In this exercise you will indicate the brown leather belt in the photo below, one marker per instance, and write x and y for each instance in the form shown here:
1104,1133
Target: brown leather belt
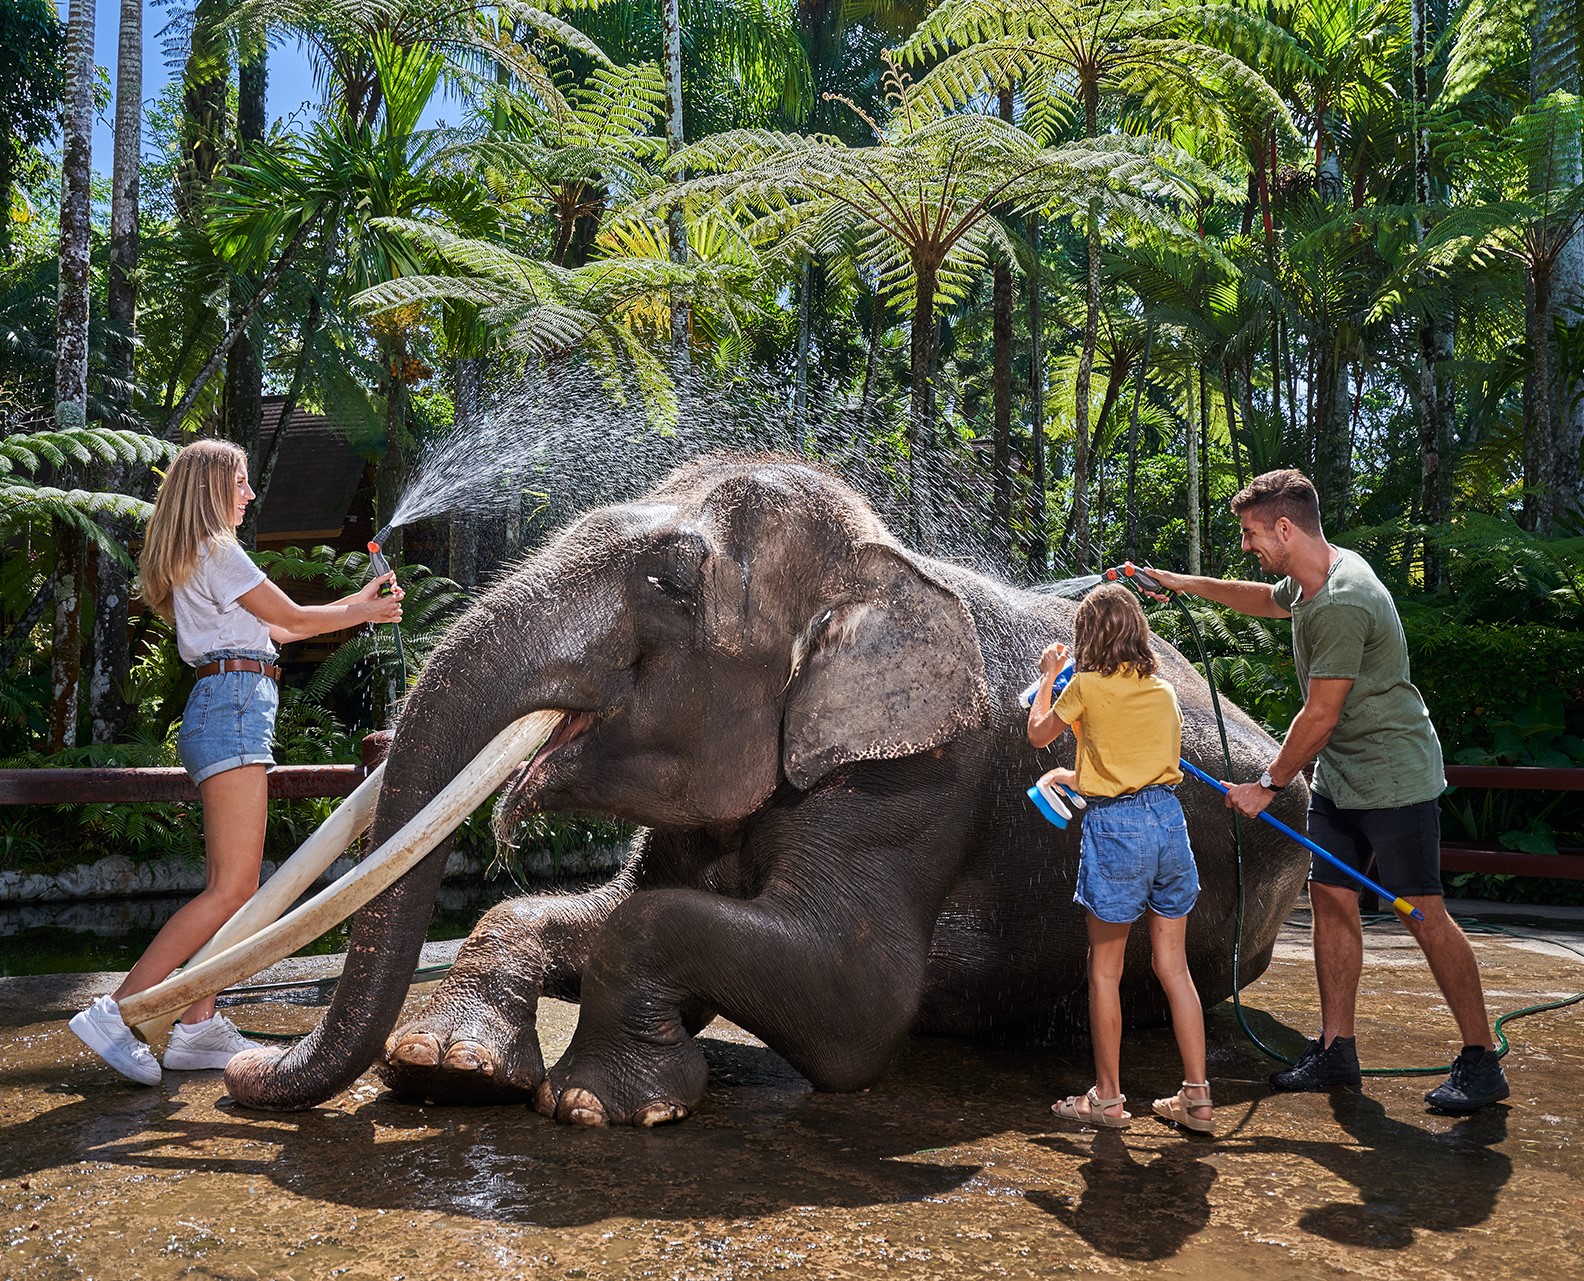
239,665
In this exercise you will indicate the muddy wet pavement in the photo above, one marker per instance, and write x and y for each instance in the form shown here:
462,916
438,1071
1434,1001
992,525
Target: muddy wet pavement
951,1167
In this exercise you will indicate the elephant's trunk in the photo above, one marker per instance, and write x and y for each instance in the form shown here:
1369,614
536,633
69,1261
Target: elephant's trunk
457,708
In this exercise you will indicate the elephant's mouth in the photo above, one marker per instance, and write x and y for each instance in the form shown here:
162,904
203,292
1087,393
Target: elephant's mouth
523,786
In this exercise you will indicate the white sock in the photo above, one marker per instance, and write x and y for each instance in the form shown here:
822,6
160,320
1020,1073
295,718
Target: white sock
198,1027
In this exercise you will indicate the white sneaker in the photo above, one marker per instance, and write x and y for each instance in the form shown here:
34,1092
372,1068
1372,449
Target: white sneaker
100,1028
209,1044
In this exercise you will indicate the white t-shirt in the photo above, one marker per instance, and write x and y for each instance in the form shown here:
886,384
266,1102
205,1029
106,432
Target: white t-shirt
207,614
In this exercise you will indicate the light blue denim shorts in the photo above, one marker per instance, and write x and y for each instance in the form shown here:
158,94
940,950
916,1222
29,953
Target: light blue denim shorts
229,720
1135,855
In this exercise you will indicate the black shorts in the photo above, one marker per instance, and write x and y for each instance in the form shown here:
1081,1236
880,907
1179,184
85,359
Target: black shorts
1405,843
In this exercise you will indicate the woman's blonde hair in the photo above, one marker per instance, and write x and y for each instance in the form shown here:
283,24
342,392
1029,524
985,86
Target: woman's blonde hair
1111,632
196,507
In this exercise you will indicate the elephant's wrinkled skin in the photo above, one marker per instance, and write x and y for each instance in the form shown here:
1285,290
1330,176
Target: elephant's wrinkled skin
821,732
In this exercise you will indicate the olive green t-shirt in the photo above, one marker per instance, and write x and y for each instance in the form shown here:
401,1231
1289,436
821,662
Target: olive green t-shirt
1384,752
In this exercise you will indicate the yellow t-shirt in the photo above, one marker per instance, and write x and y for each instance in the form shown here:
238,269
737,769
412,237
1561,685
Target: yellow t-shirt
1131,731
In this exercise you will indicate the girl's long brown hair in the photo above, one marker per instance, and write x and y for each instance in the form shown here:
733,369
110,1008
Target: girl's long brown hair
1111,632
196,506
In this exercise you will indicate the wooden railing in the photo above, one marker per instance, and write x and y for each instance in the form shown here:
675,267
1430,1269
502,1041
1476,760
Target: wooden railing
1458,856
127,785
294,782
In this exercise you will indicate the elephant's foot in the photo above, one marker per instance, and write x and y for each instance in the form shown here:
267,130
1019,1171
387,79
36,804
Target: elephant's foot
462,1061
588,1090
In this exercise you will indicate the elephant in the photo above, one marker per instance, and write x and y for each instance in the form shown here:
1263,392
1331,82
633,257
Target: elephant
819,733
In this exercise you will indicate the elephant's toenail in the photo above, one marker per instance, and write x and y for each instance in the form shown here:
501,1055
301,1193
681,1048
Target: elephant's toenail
469,1056
416,1051
545,1099
659,1114
580,1107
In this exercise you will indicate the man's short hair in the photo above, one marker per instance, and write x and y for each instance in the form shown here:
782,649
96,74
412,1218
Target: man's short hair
1275,494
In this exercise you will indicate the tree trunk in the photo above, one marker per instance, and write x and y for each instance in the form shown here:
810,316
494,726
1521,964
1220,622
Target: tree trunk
244,386
121,287
800,374
871,362
676,226
206,82
1435,390
390,472
1001,437
71,360
1001,383
1333,436
111,663
1540,404
1039,538
71,323
1132,445
1204,465
1091,339
1552,438
1238,473
66,640
463,558
921,354
1191,453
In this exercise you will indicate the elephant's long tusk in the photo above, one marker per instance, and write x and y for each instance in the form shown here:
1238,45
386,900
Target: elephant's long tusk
332,905
348,822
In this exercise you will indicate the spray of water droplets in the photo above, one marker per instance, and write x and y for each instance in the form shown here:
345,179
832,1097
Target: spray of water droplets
557,444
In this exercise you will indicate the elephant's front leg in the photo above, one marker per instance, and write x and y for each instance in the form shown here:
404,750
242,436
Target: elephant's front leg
833,996
476,1039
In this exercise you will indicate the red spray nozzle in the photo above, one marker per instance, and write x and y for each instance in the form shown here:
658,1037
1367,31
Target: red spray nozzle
373,548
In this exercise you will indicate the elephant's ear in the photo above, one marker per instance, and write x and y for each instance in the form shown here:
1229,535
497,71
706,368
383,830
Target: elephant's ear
889,668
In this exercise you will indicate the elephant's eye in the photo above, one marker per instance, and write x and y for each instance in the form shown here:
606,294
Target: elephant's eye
669,587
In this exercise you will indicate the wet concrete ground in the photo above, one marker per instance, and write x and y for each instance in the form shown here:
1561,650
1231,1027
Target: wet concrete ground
952,1166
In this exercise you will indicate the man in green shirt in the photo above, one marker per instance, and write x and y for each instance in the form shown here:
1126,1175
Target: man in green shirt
1376,780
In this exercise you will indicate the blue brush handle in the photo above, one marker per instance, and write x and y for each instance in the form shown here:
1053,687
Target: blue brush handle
1063,679
1401,904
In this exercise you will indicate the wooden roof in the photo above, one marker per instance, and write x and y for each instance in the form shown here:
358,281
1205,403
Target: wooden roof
316,475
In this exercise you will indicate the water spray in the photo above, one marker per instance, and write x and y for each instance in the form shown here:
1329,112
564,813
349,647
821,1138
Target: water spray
380,567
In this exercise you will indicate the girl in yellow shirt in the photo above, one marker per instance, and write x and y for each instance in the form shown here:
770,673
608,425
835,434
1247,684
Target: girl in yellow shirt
1135,859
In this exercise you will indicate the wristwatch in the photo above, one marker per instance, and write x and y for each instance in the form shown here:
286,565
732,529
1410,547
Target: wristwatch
1267,783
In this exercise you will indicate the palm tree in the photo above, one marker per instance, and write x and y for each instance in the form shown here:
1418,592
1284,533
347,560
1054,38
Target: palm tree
920,205
1066,56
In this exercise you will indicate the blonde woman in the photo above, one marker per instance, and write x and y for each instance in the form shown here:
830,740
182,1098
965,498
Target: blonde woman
229,619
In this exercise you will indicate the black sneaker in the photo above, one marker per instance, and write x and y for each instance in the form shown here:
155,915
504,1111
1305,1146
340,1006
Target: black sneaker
1477,1079
1322,1067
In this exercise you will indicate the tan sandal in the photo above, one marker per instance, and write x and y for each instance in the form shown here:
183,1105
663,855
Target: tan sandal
1178,1108
1096,1114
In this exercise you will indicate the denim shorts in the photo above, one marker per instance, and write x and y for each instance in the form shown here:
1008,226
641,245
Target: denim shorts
1135,855
229,720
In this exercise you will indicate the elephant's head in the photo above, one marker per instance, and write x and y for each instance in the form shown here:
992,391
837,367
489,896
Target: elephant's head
746,624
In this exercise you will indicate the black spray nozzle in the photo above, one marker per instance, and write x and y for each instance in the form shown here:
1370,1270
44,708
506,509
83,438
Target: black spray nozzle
1140,578
380,539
